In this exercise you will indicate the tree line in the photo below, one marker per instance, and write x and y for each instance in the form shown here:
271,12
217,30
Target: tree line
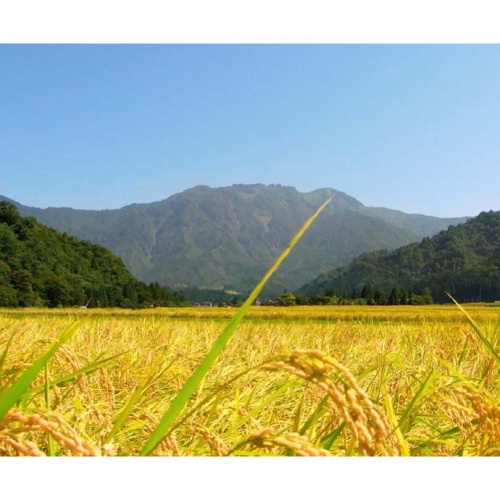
40,267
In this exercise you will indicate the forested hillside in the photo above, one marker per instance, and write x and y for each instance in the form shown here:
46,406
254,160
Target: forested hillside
41,267
226,238
463,261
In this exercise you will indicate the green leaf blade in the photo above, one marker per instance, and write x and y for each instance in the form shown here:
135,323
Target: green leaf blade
192,383
11,395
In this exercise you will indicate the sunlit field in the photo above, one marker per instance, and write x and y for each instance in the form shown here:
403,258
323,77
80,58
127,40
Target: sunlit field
292,381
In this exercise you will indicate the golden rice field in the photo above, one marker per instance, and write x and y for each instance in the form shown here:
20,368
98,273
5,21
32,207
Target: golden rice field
303,381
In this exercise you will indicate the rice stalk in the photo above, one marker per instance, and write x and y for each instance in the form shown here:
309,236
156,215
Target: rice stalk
218,346
367,423
476,414
294,442
11,395
16,424
480,334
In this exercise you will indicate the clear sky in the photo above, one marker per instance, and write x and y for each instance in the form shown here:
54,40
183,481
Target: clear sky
409,127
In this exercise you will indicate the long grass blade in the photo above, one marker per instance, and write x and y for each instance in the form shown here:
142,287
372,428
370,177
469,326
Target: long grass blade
299,412
122,417
138,393
409,415
328,441
50,439
11,395
463,352
391,416
86,370
220,343
4,354
267,401
486,343
311,421
495,335
216,394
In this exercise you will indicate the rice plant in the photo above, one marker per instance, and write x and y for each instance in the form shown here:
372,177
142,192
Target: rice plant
306,381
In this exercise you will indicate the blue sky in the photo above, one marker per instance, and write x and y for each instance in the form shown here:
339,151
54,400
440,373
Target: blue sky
409,127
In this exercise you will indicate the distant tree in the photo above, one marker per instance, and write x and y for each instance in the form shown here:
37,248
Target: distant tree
324,300
302,300
287,299
8,297
427,296
396,296
424,298
380,297
57,292
9,214
366,293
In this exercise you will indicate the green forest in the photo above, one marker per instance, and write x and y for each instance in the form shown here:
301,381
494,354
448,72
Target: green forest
463,261
43,268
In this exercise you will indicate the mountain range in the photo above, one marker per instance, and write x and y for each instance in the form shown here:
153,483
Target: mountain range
226,238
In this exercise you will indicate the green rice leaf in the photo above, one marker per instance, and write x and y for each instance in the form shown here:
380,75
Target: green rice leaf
409,415
4,354
486,343
391,416
86,370
267,401
118,424
218,346
19,389
299,413
311,421
328,441
50,439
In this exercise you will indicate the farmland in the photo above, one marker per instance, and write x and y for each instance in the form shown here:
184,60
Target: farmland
340,381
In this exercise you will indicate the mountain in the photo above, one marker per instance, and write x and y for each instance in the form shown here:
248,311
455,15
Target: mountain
226,238
463,261
41,267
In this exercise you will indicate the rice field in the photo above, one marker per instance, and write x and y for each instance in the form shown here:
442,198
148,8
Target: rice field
306,381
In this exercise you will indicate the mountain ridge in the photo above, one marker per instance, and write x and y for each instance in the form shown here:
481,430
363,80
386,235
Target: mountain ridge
228,236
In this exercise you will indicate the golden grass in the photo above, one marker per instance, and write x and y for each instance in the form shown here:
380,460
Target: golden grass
309,381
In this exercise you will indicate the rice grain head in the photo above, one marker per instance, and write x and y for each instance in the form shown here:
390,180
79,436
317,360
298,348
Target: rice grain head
367,423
